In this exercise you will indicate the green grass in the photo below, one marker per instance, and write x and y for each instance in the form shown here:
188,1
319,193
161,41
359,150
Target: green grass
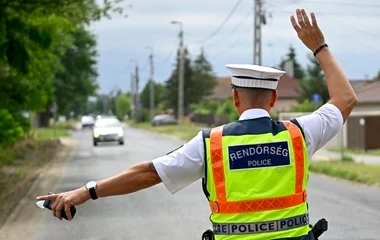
375,152
186,131
48,133
349,170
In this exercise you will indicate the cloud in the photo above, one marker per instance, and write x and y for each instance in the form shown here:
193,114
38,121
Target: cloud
350,30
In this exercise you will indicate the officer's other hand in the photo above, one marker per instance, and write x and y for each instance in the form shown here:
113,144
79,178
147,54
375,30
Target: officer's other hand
65,201
307,31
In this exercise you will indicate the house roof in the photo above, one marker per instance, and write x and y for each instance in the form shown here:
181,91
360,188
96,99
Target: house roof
369,93
358,83
286,87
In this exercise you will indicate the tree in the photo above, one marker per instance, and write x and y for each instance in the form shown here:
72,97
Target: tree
314,83
159,95
203,78
171,85
299,72
122,105
199,82
34,36
76,80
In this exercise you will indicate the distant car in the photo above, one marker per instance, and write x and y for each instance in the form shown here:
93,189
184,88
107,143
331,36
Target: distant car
164,119
108,129
87,121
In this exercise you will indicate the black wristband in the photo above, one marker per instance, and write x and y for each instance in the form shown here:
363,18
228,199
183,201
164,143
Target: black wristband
319,49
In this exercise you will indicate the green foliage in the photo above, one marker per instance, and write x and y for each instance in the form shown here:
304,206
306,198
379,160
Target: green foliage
226,108
205,107
314,82
122,105
299,72
305,106
75,81
159,94
47,54
10,129
199,81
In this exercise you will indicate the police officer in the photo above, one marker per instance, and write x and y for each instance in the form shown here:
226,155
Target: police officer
254,170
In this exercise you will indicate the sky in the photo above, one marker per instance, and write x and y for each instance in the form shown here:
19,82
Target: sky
351,29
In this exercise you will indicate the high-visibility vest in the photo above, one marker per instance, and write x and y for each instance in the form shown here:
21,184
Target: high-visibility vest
256,180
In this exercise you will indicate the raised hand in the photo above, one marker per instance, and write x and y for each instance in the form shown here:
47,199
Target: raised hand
308,33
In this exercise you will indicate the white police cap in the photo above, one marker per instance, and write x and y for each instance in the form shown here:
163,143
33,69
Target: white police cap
254,76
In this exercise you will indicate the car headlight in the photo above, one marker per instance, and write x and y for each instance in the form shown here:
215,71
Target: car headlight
96,133
120,133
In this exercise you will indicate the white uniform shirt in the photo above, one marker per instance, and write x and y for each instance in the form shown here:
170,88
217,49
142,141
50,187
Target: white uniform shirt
186,165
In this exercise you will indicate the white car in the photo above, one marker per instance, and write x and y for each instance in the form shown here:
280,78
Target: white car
108,129
87,121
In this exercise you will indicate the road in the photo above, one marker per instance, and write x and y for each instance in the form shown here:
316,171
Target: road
353,210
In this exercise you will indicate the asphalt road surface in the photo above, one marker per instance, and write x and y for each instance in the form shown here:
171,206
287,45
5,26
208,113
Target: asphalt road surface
353,211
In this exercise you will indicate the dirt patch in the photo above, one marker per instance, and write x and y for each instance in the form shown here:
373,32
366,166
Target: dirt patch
29,159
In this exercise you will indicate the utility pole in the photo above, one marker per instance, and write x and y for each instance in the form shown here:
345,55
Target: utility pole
181,74
151,84
132,94
137,97
258,20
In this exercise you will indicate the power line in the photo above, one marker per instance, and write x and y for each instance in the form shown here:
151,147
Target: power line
330,3
353,14
174,47
236,41
222,24
234,29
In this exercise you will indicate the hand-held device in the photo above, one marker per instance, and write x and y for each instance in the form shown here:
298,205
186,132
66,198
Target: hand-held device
47,204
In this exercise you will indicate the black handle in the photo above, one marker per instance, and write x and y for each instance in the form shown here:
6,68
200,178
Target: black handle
73,210
319,228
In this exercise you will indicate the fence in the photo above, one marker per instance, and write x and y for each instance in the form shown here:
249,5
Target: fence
209,119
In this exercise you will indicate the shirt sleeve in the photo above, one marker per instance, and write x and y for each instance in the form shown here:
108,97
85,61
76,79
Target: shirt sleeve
320,126
183,166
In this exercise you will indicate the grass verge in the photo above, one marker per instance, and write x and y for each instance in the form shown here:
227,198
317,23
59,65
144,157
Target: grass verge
186,131
43,134
349,170
375,152
20,164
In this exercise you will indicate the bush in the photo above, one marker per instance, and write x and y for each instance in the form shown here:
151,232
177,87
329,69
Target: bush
306,106
226,108
10,129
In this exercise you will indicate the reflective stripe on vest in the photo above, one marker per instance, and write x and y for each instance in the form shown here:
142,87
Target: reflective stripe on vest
222,206
261,227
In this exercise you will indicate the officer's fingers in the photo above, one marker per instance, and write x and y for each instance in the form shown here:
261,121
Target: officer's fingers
58,209
67,211
300,19
295,24
54,206
313,19
52,197
305,18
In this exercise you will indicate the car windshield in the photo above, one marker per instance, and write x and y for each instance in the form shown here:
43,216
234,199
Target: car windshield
108,122
87,119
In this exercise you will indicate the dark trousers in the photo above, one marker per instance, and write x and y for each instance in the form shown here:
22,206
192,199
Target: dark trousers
306,237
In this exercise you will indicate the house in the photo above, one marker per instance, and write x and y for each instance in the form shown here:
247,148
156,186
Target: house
368,93
286,91
368,97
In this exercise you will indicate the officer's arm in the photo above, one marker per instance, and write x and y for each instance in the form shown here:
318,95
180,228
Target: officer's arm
341,93
140,176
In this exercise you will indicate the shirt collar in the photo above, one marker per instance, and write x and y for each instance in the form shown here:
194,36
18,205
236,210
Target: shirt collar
254,113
